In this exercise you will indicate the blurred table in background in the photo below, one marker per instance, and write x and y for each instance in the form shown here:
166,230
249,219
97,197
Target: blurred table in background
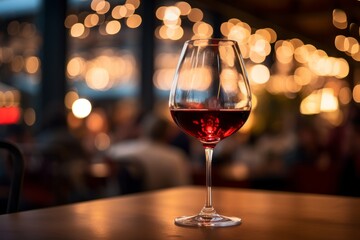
265,214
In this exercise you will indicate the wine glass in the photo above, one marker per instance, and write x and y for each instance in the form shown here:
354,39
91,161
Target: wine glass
210,99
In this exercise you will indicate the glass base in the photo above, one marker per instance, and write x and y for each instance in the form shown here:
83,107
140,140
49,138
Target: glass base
214,220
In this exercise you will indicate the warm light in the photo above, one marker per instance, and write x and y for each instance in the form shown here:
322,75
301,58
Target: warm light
302,54
284,53
130,9
311,104
29,116
302,76
174,33
101,7
75,66
356,93
229,80
356,56
195,15
91,20
354,45
134,21
259,45
340,42
339,19
240,33
77,30
172,13
17,64
259,74
291,86
272,34
102,141
329,102
184,7
202,30
335,118
121,12
264,33
70,98
9,98
95,122
113,27
197,79
70,20
81,108
341,68
160,12
225,28
163,78
115,13
73,121
248,126
345,95
97,78
32,64
100,170
135,3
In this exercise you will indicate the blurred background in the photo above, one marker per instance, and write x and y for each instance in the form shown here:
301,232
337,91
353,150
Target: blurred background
84,86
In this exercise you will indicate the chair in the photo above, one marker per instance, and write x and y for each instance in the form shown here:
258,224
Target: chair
17,175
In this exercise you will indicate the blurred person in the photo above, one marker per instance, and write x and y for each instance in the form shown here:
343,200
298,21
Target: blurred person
65,161
162,165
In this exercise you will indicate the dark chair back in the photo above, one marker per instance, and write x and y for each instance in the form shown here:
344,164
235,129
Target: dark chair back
17,175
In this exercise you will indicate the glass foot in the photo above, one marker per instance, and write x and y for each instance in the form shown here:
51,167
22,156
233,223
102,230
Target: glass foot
215,220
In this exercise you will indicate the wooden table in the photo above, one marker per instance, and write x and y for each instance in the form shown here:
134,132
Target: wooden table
266,215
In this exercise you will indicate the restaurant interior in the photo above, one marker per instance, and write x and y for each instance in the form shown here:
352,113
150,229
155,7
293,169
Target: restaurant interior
84,89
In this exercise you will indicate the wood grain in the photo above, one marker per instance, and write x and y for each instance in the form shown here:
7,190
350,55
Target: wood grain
265,215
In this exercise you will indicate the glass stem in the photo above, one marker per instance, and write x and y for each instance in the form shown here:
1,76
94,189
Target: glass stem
208,210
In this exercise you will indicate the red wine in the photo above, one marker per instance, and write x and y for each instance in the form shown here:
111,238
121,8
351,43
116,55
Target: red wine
210,126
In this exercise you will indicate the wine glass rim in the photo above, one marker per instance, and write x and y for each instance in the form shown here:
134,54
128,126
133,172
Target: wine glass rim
211,40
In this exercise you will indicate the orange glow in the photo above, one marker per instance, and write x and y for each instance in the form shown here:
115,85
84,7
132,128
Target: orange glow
184,7
17,64
135,3
73,121
259,74
202,30
77,30
91,20
95,122
339,19
70,98
102,141
160,12
32,64
340,42
75,66
70,20
29,116
97,78
195,15
356,93
134,21
99,170
113,27
345,95
130,9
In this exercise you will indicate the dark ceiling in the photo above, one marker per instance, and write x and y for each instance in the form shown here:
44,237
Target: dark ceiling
310,20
